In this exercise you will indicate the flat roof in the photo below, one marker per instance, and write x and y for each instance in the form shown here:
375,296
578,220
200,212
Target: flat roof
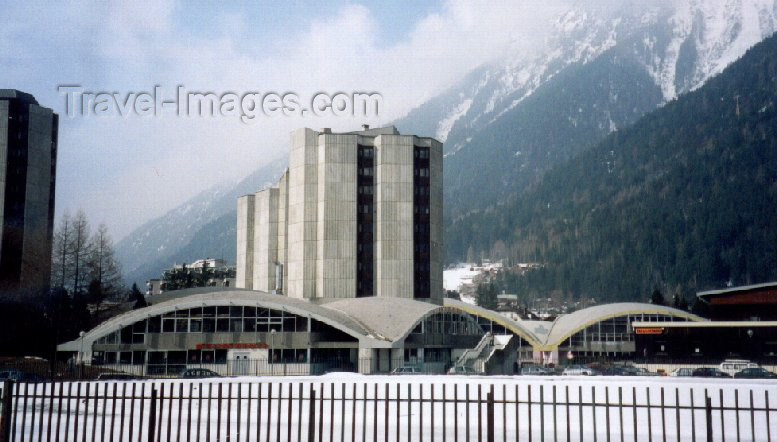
703,324
740,288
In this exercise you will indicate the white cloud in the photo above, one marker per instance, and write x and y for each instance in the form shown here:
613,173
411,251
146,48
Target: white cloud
125,171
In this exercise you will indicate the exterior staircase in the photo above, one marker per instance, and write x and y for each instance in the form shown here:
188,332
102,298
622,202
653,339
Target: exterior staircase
492,355
475,357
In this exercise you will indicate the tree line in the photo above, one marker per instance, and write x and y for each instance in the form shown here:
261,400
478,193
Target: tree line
84,273
83,263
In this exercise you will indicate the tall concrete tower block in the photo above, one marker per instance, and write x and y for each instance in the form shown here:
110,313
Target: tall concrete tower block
244,271
28,158
356,214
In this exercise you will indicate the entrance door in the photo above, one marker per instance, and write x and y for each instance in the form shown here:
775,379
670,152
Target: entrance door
240,364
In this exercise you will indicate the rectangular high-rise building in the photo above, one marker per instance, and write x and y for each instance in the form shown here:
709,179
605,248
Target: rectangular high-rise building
356,214
28,157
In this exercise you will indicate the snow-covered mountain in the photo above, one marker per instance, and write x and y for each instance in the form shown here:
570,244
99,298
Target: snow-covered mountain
506,123
203,226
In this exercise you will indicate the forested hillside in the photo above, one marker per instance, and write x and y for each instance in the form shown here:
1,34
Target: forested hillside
686,198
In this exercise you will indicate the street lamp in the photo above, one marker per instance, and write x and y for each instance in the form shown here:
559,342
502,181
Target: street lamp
272,345
81,353
81,335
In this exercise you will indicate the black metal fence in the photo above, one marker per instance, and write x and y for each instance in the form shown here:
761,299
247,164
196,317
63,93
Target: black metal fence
401,410
36,369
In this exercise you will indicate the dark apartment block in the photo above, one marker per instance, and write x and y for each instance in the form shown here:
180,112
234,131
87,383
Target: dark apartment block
28,154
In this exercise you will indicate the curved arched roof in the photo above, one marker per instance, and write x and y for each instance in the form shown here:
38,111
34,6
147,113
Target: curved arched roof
299,307
391,319
376,322
566,325
516,327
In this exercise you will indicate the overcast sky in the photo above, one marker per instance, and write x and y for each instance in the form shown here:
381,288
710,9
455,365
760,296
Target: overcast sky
125,171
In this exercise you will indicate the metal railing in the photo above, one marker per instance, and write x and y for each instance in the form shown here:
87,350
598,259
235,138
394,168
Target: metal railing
384,411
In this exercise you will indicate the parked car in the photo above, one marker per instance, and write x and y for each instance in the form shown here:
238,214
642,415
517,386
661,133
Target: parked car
462,370
116,377
19,376
682,372
641,371
406,370
734,366
755,373
198,373
617,371
706,372
579,370
536,370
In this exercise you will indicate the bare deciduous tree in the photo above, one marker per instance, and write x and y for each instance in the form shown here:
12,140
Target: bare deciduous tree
103,268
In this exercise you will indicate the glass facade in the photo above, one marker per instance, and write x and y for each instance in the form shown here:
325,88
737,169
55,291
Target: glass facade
613,330
221,319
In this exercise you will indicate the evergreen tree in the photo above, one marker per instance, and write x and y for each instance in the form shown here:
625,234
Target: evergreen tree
486,295
657,297
137,296
679,302
700,308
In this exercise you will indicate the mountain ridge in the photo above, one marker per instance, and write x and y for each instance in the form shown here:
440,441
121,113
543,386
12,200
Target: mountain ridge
485,118
682,199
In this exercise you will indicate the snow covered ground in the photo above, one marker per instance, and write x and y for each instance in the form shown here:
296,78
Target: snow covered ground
354,415
454,277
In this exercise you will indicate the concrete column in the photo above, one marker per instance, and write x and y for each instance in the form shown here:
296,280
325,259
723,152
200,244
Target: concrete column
265,239
367,360
302,210
394,216
283,216
245,243
397,357
336,233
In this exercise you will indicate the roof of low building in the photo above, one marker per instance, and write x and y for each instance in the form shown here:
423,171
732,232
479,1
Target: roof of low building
741,288
566,325
380,322
389,318
377,322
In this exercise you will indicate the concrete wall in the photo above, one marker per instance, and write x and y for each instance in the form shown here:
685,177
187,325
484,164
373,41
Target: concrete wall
394,216
303,213
265,239
283,216
336,226
244,271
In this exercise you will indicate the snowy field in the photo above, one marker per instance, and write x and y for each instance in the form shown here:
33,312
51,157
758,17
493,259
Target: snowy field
455,277
355,415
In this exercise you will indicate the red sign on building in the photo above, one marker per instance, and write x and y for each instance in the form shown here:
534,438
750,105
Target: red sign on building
649,331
